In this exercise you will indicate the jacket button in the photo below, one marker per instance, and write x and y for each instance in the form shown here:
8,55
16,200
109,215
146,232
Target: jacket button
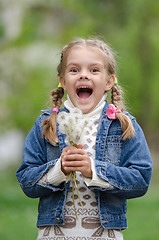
57,220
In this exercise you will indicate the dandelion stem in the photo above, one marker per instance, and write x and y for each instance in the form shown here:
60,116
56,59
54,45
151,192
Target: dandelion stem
69,177
73,197
75,182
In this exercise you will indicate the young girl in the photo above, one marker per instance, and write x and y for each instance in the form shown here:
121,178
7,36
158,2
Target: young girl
112,160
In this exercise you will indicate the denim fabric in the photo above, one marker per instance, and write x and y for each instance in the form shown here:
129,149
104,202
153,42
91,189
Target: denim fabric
126,165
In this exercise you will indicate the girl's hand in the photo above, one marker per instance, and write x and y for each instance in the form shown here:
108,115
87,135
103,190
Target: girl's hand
76,159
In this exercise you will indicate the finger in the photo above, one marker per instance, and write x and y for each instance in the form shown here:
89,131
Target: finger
86,172
76,151
78,162
72,164
80,146
68,148
75,157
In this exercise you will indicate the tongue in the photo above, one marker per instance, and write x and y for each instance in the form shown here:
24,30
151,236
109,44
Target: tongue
84,93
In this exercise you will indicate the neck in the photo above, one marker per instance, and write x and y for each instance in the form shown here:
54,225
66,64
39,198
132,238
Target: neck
96,111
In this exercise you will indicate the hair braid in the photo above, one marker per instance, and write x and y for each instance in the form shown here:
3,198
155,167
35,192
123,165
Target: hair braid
127,126
49,125
116,97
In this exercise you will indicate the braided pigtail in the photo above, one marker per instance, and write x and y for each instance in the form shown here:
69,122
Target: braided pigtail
127,126
49,125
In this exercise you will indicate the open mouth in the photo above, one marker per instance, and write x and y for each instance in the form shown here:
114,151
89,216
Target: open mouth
84,92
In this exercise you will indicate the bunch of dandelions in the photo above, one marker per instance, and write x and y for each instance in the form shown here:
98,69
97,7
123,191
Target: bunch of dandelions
72,124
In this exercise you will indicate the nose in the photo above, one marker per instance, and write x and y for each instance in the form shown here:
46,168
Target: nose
84,73
83,77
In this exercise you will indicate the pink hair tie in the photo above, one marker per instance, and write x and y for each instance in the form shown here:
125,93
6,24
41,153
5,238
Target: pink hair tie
55,110
111,112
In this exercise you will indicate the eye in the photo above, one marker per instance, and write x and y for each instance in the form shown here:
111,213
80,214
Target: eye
94,70
74,70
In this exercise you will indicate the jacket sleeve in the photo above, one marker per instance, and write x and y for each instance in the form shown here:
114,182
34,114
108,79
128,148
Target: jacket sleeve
35,164
132,178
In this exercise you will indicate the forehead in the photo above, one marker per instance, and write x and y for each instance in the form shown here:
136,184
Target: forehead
85,53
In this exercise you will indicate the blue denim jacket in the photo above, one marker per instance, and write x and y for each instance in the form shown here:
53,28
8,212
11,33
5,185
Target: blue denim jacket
126,165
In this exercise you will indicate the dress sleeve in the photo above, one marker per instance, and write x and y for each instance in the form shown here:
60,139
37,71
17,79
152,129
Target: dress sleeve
95,180
54,176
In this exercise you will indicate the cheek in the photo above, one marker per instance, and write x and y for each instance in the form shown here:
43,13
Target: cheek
70,81
103,86
69,87
107,86
66,82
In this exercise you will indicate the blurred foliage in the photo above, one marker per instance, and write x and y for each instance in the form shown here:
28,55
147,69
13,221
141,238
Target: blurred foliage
32,34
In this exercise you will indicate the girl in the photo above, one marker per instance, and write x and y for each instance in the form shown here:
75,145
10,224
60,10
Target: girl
112,161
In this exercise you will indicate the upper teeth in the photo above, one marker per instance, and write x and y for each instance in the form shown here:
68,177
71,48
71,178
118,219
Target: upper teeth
83,87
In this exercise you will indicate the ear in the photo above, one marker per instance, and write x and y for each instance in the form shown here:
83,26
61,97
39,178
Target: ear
110,82
62,81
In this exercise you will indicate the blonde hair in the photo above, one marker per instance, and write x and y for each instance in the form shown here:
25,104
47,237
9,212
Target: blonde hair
49,125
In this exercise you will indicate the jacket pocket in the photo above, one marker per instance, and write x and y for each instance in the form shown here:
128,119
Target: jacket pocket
51,204
113,204
113,149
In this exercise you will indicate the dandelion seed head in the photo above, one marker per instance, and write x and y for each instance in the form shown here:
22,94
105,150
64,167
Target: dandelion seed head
61,128
72,124
67,141
71,120
63,125
61,116
76,139
66,125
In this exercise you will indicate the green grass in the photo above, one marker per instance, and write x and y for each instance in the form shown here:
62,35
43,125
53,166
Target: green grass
143,213
18,213
143,217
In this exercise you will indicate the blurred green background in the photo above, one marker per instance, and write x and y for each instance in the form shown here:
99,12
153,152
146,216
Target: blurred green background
32,34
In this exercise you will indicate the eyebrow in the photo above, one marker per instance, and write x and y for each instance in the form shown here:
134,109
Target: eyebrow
77,64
